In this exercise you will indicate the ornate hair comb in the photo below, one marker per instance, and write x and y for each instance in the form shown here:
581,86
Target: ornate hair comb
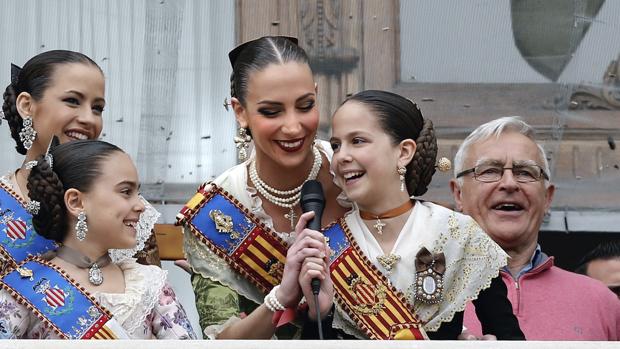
48,156
15,70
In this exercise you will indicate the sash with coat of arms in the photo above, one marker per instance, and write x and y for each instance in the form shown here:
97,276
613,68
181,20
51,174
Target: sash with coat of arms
59,302
18,239
255,251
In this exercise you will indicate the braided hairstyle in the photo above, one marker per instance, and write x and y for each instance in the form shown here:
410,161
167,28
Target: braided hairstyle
76,165
401,119
34,78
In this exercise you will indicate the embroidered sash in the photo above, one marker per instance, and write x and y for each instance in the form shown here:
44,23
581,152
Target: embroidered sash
18,239
59,302
365,294
234,234
257,253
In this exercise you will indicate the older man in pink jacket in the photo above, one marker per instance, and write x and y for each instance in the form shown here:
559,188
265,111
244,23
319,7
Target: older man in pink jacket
502,181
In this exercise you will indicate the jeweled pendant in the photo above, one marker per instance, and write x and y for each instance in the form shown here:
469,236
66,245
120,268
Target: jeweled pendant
429,286
388,261
291,216
95,275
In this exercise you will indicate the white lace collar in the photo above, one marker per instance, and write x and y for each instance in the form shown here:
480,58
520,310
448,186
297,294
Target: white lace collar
472,259
143,287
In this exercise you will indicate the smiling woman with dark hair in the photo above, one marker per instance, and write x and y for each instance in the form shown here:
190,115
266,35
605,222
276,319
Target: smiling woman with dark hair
274,97
57,93
84,196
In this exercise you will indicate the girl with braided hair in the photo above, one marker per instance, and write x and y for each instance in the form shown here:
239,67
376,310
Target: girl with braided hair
57,93
436,259
89,204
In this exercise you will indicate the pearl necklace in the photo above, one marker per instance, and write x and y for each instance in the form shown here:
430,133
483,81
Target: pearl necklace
285,198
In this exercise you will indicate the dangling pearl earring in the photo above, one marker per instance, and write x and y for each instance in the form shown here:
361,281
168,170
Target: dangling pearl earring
401,174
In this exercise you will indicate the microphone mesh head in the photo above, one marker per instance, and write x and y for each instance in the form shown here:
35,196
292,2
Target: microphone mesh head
312,191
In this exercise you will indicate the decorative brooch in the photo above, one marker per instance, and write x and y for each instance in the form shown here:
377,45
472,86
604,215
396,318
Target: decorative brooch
429,276
223,223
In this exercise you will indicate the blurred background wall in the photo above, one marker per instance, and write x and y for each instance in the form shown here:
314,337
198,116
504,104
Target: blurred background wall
554,62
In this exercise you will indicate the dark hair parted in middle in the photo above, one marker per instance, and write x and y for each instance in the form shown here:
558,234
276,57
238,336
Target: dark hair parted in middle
256,55
34,78
76,165
401,119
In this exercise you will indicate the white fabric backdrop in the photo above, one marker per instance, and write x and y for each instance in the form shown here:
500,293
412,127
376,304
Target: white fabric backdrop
166,69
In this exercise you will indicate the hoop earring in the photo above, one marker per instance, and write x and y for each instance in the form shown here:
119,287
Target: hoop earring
81,228
27,133
242,142
401,174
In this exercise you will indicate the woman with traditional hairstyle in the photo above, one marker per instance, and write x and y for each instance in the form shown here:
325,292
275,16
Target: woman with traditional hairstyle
57,93
400,267
87,201
239,227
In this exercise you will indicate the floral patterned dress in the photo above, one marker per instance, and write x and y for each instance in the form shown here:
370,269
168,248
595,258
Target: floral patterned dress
147,310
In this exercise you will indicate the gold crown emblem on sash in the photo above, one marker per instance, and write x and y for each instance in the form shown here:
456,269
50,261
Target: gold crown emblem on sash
223,223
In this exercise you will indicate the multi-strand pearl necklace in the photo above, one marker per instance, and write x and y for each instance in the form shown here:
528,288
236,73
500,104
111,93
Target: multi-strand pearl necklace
285,198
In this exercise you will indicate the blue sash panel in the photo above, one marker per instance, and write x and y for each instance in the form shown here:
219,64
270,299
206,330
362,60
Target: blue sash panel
226,241
234,234
55,300
18,239
337,240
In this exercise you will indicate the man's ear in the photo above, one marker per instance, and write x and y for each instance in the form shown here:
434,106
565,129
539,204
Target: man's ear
407,151
456,193
25,104
74,201
240,112
549,196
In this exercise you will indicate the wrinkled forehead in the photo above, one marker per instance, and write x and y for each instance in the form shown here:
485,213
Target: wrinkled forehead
506,162
507,149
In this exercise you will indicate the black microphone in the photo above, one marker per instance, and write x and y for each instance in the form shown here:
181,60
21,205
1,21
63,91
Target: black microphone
312,199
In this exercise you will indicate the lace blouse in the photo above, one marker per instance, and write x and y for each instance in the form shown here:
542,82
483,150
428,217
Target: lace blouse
148,309
473,260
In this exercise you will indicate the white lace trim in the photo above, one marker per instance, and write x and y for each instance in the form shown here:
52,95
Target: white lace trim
143,287
473,259
208,264
213,331
144,229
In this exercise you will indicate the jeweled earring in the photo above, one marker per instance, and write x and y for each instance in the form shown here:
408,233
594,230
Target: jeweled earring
81,228
27,134
242,142
401,174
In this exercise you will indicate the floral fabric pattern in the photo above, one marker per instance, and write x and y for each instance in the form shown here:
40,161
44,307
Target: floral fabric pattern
148,309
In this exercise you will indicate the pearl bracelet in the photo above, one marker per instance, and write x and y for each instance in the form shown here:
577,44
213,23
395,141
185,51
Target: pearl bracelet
271,301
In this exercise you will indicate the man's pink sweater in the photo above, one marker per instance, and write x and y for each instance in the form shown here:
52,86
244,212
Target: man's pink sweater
554,304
